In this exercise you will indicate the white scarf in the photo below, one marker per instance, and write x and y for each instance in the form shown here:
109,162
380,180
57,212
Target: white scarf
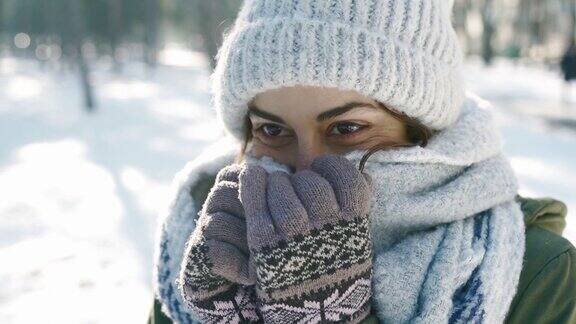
448,236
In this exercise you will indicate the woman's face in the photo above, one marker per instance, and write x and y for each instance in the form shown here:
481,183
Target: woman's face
293,125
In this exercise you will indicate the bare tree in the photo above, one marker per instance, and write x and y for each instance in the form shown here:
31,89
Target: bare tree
78,31
488,31
572,6
151,32
460,18
115,30
211,19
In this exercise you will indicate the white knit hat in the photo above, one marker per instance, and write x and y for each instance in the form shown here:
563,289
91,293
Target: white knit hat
403,53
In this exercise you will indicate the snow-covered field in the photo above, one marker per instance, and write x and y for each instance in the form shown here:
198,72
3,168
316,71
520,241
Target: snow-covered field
81,192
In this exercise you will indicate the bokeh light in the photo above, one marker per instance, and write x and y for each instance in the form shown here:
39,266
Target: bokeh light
22,40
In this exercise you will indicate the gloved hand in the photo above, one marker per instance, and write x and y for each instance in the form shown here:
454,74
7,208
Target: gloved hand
309,236
215,275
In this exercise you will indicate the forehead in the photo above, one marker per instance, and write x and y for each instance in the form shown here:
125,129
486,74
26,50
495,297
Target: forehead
314,99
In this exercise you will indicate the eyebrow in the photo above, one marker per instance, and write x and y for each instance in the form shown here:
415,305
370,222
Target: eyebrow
329,114
253,110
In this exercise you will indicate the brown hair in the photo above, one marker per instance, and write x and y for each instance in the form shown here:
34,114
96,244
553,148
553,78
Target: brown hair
418,135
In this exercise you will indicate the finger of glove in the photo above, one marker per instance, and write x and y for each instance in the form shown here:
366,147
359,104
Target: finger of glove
288,213
317,196
229,262
229,173
252,189
224,197
227,228
349,184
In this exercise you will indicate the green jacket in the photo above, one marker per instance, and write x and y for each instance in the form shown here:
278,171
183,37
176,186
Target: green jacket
547,288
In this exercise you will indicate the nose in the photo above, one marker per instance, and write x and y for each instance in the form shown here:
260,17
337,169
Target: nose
303,163
307,154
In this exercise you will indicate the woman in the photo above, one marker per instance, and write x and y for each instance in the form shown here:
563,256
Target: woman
369,186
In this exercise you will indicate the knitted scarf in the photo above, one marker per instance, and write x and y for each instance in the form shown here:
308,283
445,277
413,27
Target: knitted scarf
448,236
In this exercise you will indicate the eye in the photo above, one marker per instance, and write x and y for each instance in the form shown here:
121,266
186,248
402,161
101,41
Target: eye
271,130
345,128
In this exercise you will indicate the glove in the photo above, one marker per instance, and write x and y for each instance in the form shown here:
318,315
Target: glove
215,275
309,236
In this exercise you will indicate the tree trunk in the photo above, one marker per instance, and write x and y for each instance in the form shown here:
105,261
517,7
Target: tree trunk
208,13
488,33
78,32
572,33
151,33
115,30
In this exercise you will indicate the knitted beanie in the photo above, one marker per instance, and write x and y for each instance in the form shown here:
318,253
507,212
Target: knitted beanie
403,53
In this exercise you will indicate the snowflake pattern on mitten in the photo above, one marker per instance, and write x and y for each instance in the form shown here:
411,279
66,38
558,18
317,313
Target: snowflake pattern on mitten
336,307
235,305
309,235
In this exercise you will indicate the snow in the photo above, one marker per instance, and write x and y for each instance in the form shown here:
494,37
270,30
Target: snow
81,192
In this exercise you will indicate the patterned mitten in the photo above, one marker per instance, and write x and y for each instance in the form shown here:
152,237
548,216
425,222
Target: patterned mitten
216,280
309,236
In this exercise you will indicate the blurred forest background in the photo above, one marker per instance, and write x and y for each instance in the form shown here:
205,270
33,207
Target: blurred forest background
71,34
103,101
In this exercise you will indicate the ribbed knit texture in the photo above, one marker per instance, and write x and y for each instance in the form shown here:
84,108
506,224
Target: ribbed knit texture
404,53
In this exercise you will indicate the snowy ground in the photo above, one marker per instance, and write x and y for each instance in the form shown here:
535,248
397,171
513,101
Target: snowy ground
80,193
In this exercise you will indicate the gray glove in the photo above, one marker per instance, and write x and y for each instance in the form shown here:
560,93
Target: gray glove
309,236
215,274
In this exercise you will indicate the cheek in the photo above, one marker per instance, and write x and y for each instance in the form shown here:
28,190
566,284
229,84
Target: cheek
286,155
387,135
392,130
